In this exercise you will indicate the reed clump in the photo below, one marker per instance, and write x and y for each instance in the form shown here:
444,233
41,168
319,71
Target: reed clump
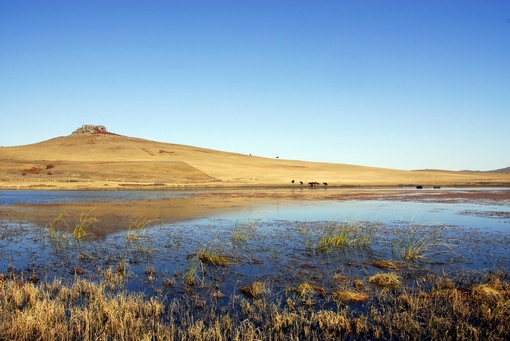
385,264
84,223
137,225
385,280
195,272
56,224
416,242
244,229
254,290
350,296
339,235
213,257
487,292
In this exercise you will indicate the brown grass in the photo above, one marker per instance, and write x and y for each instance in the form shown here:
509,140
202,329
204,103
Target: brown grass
254,290
386,264
385,280
93,161
83,310
350,296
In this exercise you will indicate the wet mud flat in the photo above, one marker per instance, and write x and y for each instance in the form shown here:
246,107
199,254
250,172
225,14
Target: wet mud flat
274,278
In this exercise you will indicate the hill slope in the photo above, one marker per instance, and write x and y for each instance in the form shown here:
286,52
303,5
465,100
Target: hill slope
94,160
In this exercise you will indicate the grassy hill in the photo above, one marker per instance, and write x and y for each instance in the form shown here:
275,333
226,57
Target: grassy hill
105,160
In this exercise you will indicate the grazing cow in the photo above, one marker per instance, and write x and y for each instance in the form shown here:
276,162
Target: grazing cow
437,187
301,182
313,183
325,183
419,187
292,181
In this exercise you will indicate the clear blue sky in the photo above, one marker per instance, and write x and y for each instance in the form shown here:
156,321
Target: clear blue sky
396,84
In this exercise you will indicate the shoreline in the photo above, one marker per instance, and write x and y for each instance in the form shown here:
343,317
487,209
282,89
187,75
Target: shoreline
131,186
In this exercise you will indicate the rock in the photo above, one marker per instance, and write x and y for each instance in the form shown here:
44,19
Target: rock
90,129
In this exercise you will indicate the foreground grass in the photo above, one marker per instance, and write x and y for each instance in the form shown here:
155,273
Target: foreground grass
439,308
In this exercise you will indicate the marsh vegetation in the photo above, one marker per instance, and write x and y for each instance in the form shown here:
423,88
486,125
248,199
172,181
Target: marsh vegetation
253,279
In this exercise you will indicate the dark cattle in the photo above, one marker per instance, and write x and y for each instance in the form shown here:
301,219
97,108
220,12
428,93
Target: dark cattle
313,183
325,183
301,182
419,187
292,181
437,187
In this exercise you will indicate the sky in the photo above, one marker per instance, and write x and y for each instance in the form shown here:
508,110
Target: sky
394,84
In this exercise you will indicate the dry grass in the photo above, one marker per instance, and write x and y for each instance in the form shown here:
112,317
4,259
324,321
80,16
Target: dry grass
83,310
254,290
306,292
385,280
350,296
134,162
214,257
486,292
385,264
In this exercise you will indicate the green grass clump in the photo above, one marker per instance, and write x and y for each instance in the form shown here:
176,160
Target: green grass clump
213,257
214,253
136,226
56,224
192,275
84,223
346,234
417,242
243,229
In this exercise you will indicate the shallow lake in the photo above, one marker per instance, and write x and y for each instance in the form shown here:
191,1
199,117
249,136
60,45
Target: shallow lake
281,246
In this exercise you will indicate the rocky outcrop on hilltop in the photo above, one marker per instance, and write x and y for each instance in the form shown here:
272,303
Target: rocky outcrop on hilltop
91,129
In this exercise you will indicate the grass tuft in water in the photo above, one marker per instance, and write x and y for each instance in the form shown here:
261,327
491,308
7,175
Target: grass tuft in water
214,253
192,276
84,223
417,242
254,290
57,224
136,226
385,280
350,296
346,234
244,229
385,264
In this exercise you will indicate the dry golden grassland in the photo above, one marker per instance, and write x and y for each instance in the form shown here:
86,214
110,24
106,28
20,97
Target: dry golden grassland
99,161
438,308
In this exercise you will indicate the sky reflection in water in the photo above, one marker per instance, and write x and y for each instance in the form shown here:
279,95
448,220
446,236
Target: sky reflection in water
275,249
390,212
